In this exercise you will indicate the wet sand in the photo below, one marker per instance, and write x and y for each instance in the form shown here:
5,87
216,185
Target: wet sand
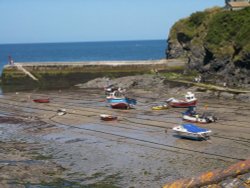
38,147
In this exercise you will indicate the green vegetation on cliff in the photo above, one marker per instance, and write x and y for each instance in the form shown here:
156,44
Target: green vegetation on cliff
230,28
220,31
216,43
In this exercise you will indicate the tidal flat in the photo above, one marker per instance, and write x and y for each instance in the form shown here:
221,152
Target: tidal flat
39,148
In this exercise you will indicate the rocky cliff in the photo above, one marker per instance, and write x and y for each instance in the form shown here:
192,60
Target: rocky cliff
216,43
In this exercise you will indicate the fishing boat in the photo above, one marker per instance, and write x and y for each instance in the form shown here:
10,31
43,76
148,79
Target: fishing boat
122,103
192,116
191,131
41,100
198,118
189,100
117,99
160,107
106,117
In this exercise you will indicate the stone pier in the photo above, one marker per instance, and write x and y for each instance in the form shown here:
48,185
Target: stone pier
65,74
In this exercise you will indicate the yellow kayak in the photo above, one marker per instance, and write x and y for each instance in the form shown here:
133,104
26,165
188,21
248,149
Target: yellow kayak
161,107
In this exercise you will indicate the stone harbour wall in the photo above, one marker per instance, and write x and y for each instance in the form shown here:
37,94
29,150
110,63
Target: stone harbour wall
66,74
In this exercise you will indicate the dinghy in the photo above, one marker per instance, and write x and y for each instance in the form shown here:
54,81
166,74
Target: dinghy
160,107
106,117
191,131
41,100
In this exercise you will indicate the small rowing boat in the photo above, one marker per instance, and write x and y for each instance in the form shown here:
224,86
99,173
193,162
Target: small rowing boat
41,100
106,117
160,107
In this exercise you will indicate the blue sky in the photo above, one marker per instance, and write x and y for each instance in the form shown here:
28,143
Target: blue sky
31,21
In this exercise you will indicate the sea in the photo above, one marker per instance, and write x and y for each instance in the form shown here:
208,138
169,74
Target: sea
83,51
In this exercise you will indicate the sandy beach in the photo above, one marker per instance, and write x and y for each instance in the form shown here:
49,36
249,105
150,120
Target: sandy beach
38,147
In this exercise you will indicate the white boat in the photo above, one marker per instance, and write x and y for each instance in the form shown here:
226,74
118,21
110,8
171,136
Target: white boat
198,118
192,132
191,116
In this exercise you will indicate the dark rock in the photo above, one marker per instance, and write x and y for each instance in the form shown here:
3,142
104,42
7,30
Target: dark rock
174,50
140,81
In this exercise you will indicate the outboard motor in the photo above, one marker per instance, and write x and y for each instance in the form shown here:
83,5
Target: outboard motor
209,117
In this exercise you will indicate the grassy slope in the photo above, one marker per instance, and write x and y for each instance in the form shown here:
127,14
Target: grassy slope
224,33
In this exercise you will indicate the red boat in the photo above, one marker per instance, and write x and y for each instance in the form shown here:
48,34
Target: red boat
41,100
189,101
106,117
182,103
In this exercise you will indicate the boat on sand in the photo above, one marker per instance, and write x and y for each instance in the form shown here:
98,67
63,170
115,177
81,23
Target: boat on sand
122,103
199,118
189,101
41,100
192,131
106,117
119,101
192,116
160,107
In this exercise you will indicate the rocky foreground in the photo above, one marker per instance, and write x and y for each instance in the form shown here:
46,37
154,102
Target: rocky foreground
40,148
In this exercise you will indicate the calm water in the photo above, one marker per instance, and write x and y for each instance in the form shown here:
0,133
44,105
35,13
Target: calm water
84,51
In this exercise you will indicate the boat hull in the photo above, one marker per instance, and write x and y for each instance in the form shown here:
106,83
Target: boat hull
120,105
41,100
192,136
182,104
194,119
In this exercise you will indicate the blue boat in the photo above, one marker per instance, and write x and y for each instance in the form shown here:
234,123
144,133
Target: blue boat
122,103
192,132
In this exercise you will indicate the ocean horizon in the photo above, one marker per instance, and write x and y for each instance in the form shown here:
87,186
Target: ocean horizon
84,51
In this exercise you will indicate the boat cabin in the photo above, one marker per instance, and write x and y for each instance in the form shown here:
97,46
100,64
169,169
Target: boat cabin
115,94
190,96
